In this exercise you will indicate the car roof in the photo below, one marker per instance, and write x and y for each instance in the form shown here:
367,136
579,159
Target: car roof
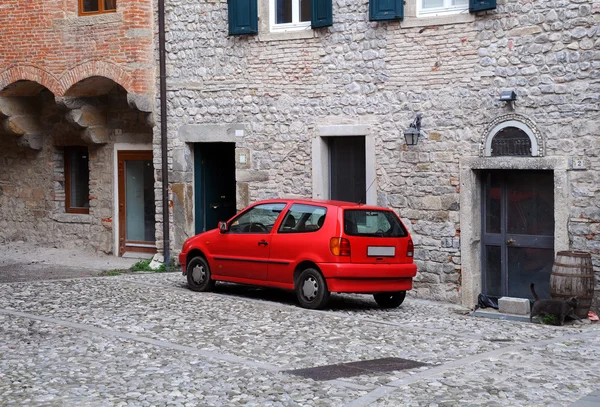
329,202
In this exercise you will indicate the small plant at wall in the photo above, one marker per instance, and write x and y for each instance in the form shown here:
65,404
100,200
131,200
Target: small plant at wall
550,319
144,265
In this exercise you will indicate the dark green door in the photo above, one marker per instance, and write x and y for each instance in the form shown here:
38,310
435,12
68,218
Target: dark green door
214,184
518,232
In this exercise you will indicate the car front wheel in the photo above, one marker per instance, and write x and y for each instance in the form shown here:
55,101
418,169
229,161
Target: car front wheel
311,289
390,300
198,275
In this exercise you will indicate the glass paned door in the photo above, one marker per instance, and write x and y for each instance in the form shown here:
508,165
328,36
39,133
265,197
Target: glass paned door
518,232
136,202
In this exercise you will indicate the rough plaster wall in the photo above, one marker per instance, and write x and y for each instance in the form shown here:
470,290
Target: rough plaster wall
361,72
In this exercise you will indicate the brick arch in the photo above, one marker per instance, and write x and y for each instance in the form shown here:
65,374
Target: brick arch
96,68
30,73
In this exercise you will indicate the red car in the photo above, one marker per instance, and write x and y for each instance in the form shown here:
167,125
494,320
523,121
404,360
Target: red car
312,247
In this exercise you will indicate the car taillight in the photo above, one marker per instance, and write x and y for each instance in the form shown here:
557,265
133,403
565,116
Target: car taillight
339,246
410,250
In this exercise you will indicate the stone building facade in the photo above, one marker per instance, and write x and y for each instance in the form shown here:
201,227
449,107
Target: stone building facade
76,88
273,108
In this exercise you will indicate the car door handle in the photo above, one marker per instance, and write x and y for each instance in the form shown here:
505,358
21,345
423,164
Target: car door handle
263,243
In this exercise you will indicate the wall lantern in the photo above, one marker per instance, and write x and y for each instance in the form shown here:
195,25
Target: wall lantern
508,96
411,135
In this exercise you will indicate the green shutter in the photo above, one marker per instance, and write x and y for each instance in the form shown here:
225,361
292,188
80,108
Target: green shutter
386,10
243,17
321,14
480,5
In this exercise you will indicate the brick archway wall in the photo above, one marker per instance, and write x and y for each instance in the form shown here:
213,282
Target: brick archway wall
31,73
96,68
59,86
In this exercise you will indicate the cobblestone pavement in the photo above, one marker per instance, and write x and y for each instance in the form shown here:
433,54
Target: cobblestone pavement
146,340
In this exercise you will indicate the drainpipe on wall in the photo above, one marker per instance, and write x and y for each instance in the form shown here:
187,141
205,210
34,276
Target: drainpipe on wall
163,129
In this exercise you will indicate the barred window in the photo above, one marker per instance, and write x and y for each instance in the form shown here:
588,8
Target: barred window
511,141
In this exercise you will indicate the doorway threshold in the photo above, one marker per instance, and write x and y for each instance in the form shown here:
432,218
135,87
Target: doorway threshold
495,314
137,255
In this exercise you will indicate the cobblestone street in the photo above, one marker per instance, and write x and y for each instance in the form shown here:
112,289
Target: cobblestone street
146,340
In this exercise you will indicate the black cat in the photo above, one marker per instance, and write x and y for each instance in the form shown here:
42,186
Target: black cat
559,308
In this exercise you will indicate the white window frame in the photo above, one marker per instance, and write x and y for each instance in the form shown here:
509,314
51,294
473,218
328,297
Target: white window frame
448,8
295,25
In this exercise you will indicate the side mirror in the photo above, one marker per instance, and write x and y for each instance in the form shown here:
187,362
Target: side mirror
223,227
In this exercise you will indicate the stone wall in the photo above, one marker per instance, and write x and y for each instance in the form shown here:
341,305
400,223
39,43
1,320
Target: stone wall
77,60
380,74
32,183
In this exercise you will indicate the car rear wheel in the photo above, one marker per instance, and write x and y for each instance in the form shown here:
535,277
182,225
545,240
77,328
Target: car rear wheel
390,300
198,275
311,289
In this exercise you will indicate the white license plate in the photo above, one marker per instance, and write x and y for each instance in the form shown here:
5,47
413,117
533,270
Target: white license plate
381,251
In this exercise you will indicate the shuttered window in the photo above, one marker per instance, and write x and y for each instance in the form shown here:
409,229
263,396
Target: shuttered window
386,10
243,17
481,5
322,14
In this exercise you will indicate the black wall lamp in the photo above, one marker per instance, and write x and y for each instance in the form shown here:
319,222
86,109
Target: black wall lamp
508,96
411,135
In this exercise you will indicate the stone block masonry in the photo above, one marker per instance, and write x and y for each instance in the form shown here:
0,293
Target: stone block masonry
379,75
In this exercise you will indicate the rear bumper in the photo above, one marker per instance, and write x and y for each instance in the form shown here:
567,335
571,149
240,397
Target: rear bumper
368,278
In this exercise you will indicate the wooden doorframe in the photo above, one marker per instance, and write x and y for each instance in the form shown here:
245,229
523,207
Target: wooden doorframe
122,156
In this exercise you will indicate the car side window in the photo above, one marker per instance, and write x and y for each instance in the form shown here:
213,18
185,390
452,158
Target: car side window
303,218
259,219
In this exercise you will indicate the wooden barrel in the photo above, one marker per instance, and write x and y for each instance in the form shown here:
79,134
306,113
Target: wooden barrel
573,276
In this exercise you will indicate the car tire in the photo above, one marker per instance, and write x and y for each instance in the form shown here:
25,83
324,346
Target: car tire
390,300
198,275
311,289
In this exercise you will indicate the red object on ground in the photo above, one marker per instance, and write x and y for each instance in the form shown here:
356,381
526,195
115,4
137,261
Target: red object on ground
592,316
313,247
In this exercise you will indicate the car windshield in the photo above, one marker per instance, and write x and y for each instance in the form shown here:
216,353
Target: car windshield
259,219
376,223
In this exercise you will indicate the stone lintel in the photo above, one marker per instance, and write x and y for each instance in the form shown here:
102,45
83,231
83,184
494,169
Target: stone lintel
343,130
204,133
251,176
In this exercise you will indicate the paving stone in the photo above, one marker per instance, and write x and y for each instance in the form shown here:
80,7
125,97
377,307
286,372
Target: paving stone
145,339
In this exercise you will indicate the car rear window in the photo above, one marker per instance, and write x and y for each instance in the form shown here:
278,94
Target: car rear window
303,218
375,223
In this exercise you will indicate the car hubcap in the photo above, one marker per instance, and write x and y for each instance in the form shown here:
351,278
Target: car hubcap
198,274
310,288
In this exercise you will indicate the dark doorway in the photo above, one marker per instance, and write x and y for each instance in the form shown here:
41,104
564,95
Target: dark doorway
518,232
347,175
214,184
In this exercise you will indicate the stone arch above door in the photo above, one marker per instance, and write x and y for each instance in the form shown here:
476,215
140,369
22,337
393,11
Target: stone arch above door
512,121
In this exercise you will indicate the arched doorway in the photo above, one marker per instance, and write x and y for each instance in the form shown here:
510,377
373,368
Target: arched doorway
513,212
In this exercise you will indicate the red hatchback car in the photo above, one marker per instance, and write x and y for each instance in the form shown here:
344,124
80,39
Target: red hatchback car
312,247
